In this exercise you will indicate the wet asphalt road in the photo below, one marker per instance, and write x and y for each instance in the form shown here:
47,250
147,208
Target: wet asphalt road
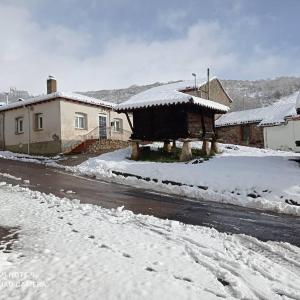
223,217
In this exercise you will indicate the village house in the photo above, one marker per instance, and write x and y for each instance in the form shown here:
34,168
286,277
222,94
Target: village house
59,122
276,126
172,112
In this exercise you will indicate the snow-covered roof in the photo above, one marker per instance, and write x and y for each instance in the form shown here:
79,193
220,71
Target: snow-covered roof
298,102
69,96
169,94
266,116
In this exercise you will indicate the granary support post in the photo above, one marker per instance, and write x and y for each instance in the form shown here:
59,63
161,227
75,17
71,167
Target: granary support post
167,146
174,146
214,146
135,150
205,147
186,152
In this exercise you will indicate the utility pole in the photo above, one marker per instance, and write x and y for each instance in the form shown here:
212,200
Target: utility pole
6,94
208,84
195,76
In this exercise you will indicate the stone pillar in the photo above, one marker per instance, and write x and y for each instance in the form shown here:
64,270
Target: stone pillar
173,146
214,147
135,150
186,152
167,146
205,147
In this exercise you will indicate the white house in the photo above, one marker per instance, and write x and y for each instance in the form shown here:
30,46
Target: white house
282,127
276,126
58,122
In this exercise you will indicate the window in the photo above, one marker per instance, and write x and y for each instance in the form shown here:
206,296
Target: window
38,121
80,121
116,124
19,125
245,133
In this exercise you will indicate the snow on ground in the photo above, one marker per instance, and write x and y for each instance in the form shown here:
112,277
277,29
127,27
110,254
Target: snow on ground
68,250
30,158
250,177
257,178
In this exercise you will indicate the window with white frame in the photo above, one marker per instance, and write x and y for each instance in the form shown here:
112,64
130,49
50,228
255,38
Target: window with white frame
117,125
39,121
19,125
80,121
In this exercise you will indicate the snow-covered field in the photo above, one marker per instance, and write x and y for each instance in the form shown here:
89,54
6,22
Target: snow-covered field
250,177
68,250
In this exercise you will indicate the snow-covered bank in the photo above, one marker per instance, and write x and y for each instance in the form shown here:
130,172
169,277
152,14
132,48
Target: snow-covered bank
68,250
30,158
250,177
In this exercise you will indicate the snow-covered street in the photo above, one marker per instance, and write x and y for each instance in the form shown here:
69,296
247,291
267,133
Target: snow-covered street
68,250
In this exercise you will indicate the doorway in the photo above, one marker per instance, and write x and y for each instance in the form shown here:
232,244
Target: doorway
102,126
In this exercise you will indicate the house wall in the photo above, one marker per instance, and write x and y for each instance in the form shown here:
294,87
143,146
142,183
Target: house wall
233,135
2,144
283,137
216,94
126,132
46,141
58,133
71,136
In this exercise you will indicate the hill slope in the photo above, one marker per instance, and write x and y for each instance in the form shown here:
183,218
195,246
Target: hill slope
245,93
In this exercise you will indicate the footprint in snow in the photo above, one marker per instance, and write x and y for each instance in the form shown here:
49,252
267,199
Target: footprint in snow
149,269
183,278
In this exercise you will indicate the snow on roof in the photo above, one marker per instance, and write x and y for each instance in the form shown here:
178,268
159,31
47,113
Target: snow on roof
69,96
298,102
169,94
271,115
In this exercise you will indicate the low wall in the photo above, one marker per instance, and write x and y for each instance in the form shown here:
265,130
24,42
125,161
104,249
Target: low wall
233,135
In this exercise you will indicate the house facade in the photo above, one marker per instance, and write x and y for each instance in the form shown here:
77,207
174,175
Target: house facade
212,91
58,122
276,126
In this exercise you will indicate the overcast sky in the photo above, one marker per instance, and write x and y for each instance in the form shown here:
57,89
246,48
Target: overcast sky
101,44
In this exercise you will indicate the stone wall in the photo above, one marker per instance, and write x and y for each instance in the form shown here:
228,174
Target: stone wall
103,146
233,135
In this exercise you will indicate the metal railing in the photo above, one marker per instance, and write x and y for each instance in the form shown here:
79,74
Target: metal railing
103,133
109,133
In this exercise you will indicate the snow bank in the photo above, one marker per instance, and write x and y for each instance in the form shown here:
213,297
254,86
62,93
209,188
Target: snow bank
68,250
250,177
51,161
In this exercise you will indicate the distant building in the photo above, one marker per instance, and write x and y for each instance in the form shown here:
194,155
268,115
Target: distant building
276,126
58,122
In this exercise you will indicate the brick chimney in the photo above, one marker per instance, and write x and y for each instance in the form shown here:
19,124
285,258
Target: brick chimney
51,85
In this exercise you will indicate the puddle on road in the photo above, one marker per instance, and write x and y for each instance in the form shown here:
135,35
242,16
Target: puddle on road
8,235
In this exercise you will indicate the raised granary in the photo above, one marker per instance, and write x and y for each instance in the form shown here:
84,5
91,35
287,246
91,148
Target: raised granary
167,113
